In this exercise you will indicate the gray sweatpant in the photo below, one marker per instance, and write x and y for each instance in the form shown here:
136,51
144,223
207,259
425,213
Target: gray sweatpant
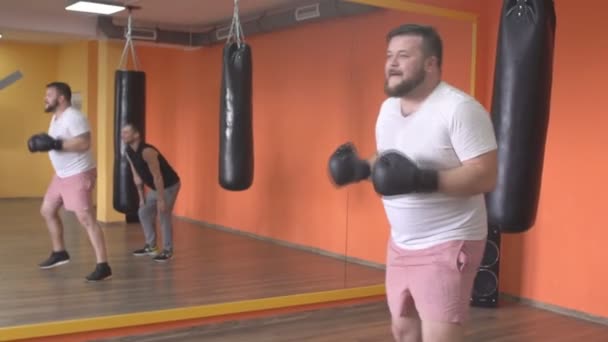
147,217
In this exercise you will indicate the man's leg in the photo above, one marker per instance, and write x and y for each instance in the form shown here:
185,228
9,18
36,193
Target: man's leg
96,237
166,223
444,290
78,190
442,332
405,321
147,218
408,328
95,233
50,212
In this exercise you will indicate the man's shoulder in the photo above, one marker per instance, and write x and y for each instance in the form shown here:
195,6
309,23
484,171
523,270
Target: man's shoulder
74,113
389,105
452,94
147,146
149,150
454,100
389,101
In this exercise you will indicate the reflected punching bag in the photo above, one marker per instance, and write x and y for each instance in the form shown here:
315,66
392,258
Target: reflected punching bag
520,110
236,122
129,107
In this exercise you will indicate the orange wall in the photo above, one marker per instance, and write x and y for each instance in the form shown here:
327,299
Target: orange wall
315,87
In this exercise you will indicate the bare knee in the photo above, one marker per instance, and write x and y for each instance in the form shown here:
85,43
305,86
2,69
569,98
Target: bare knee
49,212
407,329
443,332
86,218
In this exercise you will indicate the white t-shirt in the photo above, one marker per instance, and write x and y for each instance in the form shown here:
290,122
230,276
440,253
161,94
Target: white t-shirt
70,124
449,128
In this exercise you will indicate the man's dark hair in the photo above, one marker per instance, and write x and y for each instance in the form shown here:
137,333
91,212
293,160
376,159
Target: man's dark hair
63,89
431,41
133,127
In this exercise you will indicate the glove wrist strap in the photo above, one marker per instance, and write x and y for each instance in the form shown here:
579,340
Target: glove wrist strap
428,181
363,171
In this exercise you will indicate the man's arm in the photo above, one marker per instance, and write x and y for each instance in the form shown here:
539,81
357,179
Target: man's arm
137,180
151,157
472,135
371,160
475,176
81,131
473,140
80,143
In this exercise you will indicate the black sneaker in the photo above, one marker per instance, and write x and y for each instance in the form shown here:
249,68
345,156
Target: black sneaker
147,250
102,272
164,256
56,259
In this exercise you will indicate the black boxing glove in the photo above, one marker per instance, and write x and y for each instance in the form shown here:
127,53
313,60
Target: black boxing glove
346,167
395,174
43,142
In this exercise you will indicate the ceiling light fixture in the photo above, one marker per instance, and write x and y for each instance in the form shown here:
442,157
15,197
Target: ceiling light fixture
97,7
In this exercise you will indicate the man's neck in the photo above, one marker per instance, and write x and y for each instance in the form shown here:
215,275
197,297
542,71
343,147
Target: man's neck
60,110
135,145
412,101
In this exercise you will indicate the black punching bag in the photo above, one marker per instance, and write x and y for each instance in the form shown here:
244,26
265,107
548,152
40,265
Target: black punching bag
236,123
129,107
520,110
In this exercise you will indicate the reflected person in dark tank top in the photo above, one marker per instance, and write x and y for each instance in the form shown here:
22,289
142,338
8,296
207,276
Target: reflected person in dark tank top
150,168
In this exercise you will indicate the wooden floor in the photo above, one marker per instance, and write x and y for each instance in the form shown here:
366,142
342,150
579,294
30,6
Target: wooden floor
370,322
209,266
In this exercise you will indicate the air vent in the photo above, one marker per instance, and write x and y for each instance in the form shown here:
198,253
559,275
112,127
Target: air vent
143,34
307,12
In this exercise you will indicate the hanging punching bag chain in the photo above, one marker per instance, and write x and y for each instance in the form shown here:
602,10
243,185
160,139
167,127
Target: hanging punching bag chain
129,44
236,30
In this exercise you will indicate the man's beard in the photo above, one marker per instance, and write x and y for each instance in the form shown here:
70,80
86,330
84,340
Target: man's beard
51,107
404,87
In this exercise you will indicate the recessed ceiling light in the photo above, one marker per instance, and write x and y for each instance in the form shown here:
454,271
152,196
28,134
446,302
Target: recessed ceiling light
97,7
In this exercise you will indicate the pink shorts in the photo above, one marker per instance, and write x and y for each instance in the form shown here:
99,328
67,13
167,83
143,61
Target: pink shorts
436,282
74,192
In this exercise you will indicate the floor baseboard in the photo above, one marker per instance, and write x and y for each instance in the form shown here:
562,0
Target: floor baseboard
555,309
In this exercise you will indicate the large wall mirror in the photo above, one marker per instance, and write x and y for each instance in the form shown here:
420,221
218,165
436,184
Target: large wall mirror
291,239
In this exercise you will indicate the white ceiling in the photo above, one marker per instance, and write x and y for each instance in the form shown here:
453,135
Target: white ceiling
48,21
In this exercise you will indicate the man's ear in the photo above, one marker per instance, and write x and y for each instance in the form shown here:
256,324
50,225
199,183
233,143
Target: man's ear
430,62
